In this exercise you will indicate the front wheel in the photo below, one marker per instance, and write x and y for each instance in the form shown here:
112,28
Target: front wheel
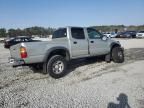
56,66
117,55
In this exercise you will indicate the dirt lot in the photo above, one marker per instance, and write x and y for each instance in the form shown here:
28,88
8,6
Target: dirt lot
90,83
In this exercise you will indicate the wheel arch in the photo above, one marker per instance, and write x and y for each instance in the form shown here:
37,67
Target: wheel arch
114,45
57,51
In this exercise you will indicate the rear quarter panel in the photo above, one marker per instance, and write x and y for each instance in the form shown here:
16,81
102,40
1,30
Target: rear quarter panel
37,50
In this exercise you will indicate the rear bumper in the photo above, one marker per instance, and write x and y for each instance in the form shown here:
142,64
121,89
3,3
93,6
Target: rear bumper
16,62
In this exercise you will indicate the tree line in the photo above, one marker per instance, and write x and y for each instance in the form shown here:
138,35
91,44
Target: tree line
41,31
119,28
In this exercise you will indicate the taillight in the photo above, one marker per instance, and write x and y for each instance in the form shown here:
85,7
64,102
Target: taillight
23,52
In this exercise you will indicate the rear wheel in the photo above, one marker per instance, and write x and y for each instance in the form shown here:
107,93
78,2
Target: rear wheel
117,55
56,66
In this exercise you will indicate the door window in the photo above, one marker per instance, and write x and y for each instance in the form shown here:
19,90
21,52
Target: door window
94,34
78,33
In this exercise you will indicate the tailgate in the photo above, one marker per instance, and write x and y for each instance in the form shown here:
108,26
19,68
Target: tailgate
15,51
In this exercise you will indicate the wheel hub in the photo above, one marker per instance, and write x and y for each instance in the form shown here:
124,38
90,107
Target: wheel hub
120,54
58,67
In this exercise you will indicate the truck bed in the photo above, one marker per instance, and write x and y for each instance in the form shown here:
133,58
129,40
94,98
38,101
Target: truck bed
36,51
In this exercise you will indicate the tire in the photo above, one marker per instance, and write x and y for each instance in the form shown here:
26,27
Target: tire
117,55
56,66
133,36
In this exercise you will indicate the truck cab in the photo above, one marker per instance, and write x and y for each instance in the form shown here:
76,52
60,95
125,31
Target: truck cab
83,42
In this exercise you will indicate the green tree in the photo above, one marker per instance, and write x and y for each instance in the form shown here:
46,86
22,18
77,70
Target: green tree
19,32
12,32
41,31
2,32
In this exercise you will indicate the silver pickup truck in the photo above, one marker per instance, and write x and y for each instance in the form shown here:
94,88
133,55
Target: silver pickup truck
66,44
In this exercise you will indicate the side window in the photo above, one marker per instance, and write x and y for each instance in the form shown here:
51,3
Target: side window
26,39
17,40
78,33
60,33
93,34
21,40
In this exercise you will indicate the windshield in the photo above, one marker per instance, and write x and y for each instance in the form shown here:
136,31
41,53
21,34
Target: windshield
141,32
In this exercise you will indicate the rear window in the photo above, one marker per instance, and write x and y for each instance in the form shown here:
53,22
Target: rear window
60,33
132,31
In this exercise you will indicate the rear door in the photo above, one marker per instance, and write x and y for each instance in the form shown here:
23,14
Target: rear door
78,42
97,46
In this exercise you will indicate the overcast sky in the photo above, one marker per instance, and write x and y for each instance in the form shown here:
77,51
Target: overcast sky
59,13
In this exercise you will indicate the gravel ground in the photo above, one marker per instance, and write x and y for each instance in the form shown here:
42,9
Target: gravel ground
89,83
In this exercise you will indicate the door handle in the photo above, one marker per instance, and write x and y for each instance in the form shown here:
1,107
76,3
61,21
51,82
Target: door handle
92,41
75,42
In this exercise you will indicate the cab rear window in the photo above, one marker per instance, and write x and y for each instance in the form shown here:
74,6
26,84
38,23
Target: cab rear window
60,33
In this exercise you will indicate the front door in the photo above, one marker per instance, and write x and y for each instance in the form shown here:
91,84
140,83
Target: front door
97,46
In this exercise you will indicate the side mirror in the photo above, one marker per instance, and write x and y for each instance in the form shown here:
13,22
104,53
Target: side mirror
104,38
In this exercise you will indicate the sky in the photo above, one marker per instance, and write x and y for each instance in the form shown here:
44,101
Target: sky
60,13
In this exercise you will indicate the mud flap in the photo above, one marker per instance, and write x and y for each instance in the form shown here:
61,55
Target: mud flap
108,58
